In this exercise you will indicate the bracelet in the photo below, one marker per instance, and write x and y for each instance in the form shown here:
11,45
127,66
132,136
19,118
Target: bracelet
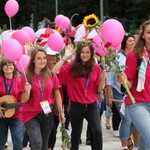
63,60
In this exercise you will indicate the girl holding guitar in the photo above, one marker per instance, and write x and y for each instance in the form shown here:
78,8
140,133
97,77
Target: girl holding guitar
9,93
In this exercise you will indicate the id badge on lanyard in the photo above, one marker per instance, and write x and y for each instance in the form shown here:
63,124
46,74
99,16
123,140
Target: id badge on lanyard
44,104
45,107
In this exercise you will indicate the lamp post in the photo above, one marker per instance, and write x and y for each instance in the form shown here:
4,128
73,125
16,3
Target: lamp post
56,7
101,10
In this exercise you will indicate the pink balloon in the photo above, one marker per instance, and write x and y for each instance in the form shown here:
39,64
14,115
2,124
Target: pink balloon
31,32
112,31
11,8
63,22
21,36
117,48
12,49
23,63
57,18
99,46
56,42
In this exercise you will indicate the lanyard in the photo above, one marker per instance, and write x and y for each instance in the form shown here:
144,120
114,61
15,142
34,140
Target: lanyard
41,87
86,86
87,83
7,88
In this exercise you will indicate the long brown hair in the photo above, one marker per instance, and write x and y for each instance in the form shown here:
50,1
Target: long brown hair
78,68
140,43
45,72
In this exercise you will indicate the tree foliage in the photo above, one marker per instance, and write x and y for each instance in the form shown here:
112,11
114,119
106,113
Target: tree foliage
128,9
140,8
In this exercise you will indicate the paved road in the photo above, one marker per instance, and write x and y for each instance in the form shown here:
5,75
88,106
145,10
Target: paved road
109,142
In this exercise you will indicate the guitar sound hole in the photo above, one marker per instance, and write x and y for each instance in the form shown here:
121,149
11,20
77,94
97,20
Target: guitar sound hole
4,105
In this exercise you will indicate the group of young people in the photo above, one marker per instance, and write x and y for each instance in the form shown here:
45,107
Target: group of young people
39,92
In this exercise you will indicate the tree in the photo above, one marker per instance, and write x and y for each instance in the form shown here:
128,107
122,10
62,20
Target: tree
128,9
140,8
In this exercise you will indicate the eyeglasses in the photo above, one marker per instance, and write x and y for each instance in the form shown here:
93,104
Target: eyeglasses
8,64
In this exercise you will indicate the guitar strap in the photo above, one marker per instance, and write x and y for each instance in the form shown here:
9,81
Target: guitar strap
8,89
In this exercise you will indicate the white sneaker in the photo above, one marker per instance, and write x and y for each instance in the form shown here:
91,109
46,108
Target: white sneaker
6,145
116,133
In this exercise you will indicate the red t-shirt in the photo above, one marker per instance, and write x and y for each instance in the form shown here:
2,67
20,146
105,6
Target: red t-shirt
132,74
76,87
31,108
14,92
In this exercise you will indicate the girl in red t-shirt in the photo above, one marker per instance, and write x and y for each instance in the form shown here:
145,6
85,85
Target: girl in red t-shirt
83,78
138,81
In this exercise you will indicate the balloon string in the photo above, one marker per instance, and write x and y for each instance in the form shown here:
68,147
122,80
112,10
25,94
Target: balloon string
58,29
10,23
23,70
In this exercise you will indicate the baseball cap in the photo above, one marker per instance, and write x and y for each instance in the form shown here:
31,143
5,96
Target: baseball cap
50,51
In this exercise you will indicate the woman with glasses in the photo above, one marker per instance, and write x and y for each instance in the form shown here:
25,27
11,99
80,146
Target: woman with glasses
9,93
113,89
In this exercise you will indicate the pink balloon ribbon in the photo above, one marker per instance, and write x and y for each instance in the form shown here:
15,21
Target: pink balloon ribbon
23,70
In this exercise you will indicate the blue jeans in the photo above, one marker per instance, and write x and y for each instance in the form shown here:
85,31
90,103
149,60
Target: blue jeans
140,116
117,95
91,113
126,125
108,112
15,127
38,130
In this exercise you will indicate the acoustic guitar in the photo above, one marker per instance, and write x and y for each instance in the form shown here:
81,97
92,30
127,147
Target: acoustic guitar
9,102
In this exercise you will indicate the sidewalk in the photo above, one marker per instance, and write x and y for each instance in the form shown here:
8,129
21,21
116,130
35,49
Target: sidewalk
109,142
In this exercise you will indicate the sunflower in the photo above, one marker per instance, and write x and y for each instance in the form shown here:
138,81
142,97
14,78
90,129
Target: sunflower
91,21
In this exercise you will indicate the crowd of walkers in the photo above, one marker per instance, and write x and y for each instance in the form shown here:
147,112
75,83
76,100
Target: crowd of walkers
73,86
